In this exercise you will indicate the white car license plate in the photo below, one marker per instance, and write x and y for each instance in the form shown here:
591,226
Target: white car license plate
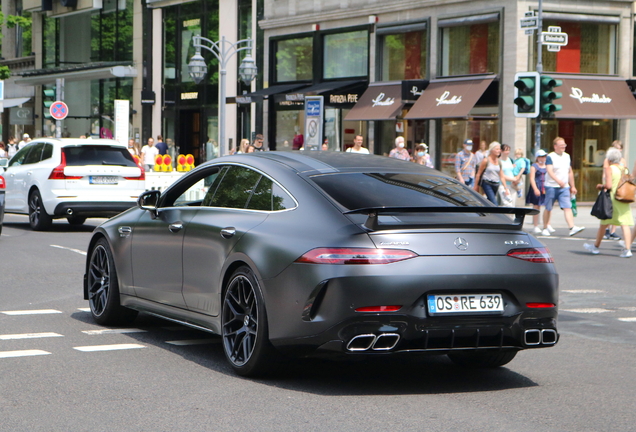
465,303
105,180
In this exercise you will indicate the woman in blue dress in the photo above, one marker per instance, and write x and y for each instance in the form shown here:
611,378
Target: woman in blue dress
536,191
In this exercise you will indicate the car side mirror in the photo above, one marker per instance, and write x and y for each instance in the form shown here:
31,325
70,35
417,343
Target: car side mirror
149,201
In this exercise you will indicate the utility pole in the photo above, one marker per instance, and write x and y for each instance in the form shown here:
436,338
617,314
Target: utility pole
537,124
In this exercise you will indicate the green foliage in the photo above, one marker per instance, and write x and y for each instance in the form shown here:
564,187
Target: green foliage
5,73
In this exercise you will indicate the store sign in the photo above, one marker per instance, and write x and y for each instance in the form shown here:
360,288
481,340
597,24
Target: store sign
348,98
190,96
21,116
314,108
577,94
243,99
382,100
413,89
446,99
295,97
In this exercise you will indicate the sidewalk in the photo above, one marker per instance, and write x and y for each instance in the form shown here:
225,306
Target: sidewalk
557,220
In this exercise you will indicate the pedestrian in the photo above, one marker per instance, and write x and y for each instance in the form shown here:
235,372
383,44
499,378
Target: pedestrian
162,147
133,148
258,143
243,145
465,163
621,212
559,186
3,152
12,147
507,199
481,153
25,140
325,144
536,190
357,146
521,168
422,157
148,155
610,233
490,174
399,152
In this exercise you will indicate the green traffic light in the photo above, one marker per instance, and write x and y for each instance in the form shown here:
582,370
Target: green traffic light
49,93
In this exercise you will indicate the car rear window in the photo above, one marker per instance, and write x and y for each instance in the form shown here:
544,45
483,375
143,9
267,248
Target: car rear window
363,190
98,155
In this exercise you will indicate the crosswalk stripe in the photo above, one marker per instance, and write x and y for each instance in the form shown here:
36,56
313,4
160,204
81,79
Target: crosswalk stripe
23,353
193,342
629,319
29,336
113,331
583,291
32,312
587,310
94,348
84,309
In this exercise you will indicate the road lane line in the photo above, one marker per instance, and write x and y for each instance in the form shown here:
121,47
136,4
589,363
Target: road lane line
84,309
628,308
586,310
583,291
630,319
95,348
32,312
113,331
29,336
23,353
81,252
193,342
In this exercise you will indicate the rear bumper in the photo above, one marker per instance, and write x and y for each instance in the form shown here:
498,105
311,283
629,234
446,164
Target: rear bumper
91,209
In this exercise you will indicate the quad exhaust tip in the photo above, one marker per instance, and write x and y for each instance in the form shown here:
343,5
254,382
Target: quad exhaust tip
534,337
381,342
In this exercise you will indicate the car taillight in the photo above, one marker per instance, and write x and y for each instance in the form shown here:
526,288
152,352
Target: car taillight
540,305
58,171
535,255
3,183
394,308
141,177
355,256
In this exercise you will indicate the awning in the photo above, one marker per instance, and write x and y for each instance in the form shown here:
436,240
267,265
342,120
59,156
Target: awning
317,89
76,73
595,98
379,102
259,95
449,98
13,102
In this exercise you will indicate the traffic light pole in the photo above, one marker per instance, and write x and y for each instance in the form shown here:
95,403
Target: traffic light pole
537,125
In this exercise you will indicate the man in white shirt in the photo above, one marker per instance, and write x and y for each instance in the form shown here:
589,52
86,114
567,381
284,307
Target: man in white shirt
148,154
559,185
25,140
357,146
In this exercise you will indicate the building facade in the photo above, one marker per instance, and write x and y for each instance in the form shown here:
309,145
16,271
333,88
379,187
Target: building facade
442,72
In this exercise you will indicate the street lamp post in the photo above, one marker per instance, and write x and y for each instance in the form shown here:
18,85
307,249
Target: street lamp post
223,51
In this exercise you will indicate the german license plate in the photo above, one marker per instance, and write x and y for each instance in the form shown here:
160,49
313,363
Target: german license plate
465,303
105,180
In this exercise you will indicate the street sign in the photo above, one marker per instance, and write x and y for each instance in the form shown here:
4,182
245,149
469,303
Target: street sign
551,38
58,110
529,23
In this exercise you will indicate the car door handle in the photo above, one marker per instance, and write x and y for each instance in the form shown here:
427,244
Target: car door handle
228,232
124,231
175,227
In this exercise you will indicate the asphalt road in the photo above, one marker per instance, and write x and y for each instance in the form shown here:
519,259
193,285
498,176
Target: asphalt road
172,378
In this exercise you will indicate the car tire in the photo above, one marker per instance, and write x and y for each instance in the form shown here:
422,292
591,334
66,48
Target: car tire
244,326
482,359
39,219
103,288
76,220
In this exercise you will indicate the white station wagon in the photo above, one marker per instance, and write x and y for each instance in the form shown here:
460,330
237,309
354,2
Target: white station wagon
75,179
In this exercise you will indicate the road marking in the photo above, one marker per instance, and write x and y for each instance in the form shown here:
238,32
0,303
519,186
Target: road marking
583,291
193,342
23,353
587,310
112,331
94,348
84,309
81,252
630,319
32,312
29,336
628,308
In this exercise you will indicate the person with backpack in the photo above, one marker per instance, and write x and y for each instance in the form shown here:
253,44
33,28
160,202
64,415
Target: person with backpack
12,147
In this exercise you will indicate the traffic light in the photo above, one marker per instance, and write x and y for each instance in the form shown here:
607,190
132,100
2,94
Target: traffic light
48,97
527,94
548,95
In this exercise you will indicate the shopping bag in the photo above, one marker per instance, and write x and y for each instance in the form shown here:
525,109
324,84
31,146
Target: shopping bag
575,211
602,207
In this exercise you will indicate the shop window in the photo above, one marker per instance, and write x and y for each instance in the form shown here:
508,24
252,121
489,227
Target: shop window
346,54
470,49
294,59
454,132
403,56
591,49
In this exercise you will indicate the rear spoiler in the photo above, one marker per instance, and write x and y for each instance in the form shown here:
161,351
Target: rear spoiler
373,213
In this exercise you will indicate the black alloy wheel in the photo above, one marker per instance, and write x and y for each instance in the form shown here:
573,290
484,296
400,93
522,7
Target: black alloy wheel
103,288
39,219
244,326
76,220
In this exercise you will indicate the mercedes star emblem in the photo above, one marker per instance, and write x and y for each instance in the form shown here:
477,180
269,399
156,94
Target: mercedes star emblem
461,244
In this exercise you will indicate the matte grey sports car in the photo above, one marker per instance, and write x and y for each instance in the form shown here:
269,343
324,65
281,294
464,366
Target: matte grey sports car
310,253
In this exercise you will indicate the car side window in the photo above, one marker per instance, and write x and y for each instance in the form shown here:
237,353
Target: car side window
269,196
35,155
194,192
47,152
20,156
236,188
